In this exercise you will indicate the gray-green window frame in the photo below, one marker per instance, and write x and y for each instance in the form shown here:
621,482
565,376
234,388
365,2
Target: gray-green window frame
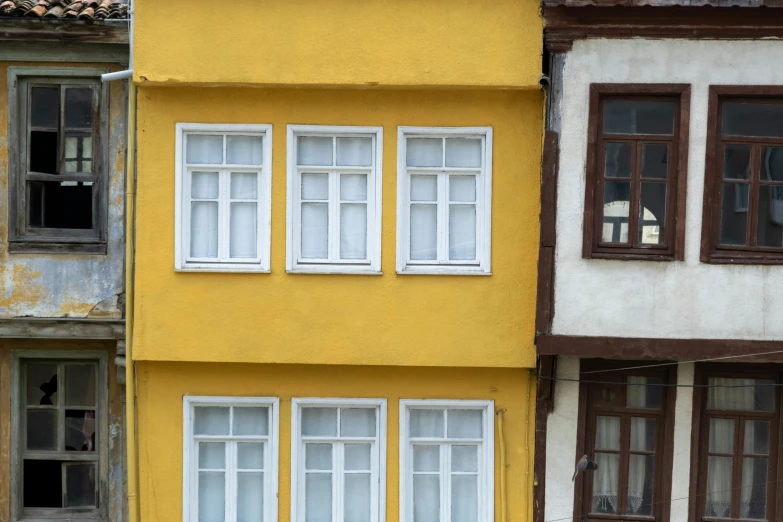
21,237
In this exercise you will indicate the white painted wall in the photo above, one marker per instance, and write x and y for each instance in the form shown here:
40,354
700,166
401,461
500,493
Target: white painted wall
685,299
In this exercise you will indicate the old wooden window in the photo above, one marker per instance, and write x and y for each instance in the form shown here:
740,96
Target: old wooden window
743,198
57,201
60,434
738,443
637,145
628,434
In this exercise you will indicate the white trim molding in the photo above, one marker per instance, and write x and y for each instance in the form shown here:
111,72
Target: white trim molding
442,264
334,263
223,262
190,454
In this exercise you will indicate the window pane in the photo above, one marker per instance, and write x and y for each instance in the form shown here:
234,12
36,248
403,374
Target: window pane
78,153
426,423
80,385
734,214
212,455
43,483
638,117
464,458
79,485
318,456
643,434
251,421
426,498
315,230
462,152
78,108
770,216
319,422
315,186
652,214
753,501
464,498
204,185
756,437
244,185
41,384
655,160
211,496
204,148
353,187
42,430
43,152
640,484
312,150
357,497
644,392
424,231
605,483
747,394
462,232
357,422
772,163
211,420
424,152
424,188
250,455
353,231
203,228
250,497
244,232
354,151
462,188
752,119
721,436
318,497
464,424
426,458
53,205
617,202
45,106
618,160
244,150
718,501
736,162
357,457
80,430
607,433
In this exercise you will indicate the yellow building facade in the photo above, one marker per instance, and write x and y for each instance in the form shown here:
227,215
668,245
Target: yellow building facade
336,237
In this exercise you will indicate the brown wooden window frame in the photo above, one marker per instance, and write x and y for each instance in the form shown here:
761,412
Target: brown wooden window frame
711,249
583,483
700,436
676,179
21,237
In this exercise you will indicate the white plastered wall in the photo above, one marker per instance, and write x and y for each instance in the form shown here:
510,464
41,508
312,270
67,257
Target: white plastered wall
685,299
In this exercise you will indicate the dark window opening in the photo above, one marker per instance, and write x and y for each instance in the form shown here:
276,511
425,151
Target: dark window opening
60,204
43,484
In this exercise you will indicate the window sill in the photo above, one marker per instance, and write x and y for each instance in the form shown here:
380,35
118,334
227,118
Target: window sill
23,246
743,258
334,270
224,268
627,256
443,270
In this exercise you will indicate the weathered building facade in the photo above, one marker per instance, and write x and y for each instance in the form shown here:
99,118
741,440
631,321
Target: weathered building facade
662,238
62,243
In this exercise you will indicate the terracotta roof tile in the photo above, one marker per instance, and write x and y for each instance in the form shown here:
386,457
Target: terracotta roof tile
79,9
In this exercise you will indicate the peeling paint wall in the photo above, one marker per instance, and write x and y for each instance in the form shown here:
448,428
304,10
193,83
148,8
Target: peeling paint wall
66,285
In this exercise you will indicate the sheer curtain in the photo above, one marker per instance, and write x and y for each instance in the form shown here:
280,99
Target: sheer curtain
244,209
606,477
641,467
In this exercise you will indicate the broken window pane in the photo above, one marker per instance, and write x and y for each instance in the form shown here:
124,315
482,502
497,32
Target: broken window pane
79,430
43,152
79,485
78,108
42,484
41,384
56,204
45,107
42,430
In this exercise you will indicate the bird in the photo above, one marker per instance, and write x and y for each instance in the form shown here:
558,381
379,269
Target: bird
583,464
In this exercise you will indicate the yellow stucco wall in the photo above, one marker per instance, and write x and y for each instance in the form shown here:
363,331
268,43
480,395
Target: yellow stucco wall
413,320
161,387
340,42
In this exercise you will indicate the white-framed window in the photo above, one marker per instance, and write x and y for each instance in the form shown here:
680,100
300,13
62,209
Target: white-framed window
338,460
230,459
446,461
334,199
224,196
444,200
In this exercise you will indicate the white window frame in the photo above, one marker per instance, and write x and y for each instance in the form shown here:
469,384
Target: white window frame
481,266
182,260
190,464
372,265
486,465
378,503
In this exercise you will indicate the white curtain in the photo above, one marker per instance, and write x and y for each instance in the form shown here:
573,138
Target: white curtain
314,150
211,496
251,421
204,149
315,216
250,497
426,498
319,422
318,497
462,232
353,216
426,423
357,422
719,469
424,152
739,398
243,230
204,214
464,498
357,497
461,152
211,420
244,150
354,152
640,470
464,424
606,477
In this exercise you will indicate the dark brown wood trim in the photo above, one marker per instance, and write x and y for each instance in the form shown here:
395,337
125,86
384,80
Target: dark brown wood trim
563,25
52,247
590,168
648,348
546,253
544,390
668,447
581,444
27,29
29,328
696,423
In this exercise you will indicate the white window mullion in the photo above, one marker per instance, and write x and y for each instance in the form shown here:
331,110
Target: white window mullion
231,482
223,228
297,215
333,239
338,500
443,218
445,482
